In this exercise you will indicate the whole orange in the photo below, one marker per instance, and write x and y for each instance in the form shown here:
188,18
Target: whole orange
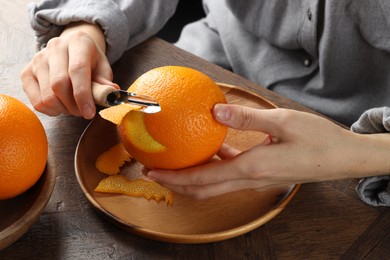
185,132
23,147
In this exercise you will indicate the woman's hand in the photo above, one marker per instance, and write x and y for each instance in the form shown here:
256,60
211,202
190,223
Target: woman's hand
300,148
58,79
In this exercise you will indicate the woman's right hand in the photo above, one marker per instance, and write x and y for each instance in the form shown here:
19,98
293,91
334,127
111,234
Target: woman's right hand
58,78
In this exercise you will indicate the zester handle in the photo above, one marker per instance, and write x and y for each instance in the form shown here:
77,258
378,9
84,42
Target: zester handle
100,93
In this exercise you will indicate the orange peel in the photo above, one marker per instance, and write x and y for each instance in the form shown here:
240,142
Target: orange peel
115,114
111,160
119,184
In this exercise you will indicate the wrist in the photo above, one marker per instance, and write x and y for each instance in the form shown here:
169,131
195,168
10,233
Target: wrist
92,30
371,155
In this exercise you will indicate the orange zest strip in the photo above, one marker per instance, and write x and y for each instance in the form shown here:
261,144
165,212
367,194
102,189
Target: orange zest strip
115,114
111,160
135,188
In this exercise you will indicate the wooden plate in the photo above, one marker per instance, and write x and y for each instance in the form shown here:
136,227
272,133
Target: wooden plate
17,215
188,220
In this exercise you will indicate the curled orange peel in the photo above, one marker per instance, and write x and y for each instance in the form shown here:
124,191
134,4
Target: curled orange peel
111,160
119,184
115,114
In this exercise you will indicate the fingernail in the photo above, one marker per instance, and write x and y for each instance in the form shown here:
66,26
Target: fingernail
88,111
267,140
116,86
270,137
222,113
148,174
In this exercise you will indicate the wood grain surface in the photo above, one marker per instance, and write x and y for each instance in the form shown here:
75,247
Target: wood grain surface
323,221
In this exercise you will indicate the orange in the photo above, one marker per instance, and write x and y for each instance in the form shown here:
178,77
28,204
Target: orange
184,133
23,147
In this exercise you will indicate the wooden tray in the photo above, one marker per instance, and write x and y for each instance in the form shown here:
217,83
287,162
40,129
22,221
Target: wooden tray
188,220
17,215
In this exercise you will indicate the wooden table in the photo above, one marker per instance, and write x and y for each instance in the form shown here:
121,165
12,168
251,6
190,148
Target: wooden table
323,221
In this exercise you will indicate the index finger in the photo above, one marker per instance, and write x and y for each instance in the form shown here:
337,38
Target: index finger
213,172
80,71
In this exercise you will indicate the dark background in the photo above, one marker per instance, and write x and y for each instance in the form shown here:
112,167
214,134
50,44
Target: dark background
186,12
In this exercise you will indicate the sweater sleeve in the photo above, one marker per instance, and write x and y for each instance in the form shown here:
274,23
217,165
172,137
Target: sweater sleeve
125,23
374,190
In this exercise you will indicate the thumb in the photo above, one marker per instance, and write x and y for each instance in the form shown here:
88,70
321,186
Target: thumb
246,118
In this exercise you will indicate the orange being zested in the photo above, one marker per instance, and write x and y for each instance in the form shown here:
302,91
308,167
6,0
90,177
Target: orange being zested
23,147
184,133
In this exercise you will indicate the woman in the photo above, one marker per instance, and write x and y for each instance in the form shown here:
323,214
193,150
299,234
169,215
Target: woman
329,55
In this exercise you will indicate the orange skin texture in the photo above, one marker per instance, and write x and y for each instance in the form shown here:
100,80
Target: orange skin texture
24,148
185,128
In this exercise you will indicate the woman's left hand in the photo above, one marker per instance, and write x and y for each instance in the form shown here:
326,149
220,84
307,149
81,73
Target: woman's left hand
300,148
